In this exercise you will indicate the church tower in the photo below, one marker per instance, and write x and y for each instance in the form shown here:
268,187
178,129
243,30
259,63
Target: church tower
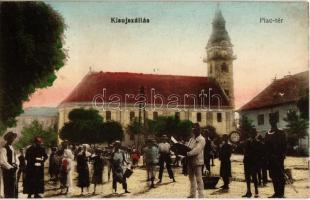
219,57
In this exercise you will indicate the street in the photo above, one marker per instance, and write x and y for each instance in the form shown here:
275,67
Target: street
138,187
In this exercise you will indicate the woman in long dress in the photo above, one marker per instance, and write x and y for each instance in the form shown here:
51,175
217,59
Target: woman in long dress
98,166
83,169
66,171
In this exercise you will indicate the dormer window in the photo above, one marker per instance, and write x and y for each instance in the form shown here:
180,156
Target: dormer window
224,67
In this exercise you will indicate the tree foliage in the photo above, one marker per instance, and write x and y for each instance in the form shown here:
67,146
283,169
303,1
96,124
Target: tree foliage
31,51
303,105
87,126
246,127
184,128
29,132
112,131
169,125
296,127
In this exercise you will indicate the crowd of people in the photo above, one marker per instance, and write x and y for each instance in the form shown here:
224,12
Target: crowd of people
260,155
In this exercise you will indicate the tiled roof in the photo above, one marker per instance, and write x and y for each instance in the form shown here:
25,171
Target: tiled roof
286,90
121,83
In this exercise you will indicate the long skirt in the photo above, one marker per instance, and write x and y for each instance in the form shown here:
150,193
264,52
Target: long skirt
97,177
83,178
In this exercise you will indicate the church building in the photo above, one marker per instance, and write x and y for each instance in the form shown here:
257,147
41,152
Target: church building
207,100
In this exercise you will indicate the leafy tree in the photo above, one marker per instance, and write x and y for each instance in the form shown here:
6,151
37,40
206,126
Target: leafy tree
134,127
169,125
303,105
296,127
84,126
246,127
112,131
150,127
87,126
29,132
184,128
31,51
166,125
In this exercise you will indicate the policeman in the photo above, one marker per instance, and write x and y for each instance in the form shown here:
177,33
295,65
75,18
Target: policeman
275,143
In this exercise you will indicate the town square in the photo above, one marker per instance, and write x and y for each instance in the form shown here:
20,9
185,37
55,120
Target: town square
202,99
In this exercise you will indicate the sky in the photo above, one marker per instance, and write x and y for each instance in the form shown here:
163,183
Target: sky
174,42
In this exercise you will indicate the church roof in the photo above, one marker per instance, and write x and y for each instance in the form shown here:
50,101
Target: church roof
121,83
219,32
282,91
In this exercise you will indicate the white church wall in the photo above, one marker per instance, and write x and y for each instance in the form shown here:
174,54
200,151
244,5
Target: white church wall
123,116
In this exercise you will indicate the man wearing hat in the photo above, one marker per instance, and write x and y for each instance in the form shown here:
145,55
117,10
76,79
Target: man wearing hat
34,178
225,152
275,143
164,158
9,163
195,162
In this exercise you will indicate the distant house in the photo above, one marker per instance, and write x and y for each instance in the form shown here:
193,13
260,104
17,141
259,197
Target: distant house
280,97
47,116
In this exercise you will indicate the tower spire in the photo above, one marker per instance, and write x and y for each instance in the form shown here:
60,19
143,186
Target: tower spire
219,32
219,55
217,6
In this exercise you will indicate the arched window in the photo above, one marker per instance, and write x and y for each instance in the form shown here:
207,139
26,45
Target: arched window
224,67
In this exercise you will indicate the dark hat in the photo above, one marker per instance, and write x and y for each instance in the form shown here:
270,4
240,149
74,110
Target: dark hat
9,135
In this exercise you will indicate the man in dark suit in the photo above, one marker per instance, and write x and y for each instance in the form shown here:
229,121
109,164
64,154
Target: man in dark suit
251,161
275,143
34,178
224,157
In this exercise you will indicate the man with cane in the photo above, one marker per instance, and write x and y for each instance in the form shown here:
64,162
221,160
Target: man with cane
276,148
9,163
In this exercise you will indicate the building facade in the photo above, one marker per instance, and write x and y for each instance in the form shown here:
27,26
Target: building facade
207,100
279,97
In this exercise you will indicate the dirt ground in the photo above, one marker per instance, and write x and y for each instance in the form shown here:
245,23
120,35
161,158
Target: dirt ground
139,188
